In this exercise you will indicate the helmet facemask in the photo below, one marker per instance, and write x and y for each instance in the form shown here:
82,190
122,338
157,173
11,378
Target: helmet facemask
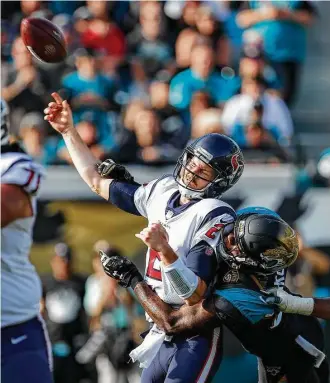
235,261
184,176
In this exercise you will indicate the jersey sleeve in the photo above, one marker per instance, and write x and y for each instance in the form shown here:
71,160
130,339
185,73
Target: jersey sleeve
25,174
142,196
222,217
201,259
247,302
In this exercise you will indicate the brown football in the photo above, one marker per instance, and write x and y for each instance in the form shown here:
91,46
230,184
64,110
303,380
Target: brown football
43,39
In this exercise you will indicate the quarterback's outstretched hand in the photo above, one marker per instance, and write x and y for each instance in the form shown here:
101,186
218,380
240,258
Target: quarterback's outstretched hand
59,114
121,269
155,237
110,169
289,303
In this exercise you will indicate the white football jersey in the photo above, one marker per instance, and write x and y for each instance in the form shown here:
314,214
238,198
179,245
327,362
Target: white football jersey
185,230
20,284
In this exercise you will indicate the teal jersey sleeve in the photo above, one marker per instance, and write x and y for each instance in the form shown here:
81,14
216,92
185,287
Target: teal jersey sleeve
248,303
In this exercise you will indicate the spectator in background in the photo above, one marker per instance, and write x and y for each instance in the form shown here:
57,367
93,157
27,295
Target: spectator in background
149,42
201,76
22,85
8,35
113,319
253,64
80,19
171,122
91,95
103,35
32,131
62,306
209,27
154,145
243,135
183,47
145,142
100,295
27,9
188,14
96,136
130,112
275,112
260,146
200,101
282,25
87,88
63,7
225,12
206,121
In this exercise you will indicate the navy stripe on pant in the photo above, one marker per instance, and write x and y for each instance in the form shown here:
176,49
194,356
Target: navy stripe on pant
186,360
24,354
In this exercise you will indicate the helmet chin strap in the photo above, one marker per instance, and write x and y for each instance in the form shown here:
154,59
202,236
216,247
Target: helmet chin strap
190,194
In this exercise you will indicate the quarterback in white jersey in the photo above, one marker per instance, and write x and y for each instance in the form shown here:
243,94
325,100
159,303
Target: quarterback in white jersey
26,356
190,235
187,205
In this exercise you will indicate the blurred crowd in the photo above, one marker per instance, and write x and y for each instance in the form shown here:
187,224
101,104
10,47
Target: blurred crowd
144,78
92,322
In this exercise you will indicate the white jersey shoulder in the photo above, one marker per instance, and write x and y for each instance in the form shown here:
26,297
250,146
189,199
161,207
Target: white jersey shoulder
145,194
20,169
195,223
20,285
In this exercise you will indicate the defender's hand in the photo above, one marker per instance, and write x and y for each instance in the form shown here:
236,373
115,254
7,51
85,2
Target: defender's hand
59,114
121,269
110,169
154,236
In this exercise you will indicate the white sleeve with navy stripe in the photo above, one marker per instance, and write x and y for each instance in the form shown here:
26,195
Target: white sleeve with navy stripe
144,195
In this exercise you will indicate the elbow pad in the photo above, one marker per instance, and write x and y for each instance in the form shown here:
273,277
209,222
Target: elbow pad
183,280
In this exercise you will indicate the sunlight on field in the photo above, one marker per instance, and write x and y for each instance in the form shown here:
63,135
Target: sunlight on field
87,223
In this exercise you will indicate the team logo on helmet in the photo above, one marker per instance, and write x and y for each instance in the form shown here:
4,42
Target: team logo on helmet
236,162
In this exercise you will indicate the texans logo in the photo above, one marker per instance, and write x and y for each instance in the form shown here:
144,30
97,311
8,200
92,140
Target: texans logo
236,162
237,165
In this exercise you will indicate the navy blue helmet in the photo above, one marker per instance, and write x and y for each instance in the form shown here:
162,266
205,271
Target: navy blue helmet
222,154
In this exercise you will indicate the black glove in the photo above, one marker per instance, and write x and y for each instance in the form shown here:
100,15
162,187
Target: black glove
110,169
121,269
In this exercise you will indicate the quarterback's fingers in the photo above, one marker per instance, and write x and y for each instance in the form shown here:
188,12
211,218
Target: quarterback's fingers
58,99
66,107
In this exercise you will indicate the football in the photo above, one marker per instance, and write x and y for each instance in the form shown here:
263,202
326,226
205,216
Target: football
43,39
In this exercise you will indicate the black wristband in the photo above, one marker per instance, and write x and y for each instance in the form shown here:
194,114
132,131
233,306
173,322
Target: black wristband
135,280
